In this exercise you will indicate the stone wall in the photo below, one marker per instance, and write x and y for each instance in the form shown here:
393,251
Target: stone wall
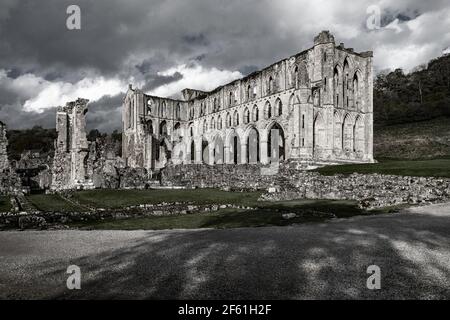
9,181
370,190
225,176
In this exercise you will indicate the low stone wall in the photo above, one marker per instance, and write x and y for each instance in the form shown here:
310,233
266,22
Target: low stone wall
58,220
10,182
226,176
371,190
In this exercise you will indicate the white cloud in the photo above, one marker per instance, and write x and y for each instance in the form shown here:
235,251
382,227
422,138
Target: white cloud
58,93
195,77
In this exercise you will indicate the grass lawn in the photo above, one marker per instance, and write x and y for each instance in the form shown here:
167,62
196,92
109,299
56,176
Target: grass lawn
123,198
5,204
425,168
268,214
51,202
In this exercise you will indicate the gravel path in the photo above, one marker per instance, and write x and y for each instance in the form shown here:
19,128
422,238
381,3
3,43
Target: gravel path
310,261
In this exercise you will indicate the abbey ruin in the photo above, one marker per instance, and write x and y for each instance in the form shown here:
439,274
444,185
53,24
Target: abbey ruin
313,108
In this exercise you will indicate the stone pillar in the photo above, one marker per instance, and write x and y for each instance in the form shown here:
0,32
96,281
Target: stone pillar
198,152
211,159
243,153
263,150
227,154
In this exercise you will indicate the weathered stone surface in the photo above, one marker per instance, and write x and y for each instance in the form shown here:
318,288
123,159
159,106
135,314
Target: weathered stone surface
70,165
371,190
9,181
318,103
4,162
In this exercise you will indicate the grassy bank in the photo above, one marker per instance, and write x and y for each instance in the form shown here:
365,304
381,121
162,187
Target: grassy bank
267,214
52,202
420,168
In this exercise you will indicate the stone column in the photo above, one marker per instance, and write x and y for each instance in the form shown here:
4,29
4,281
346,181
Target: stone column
263,150
243,153
211,159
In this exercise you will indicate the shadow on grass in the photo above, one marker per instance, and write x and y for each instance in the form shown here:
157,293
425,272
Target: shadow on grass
265,214
320,261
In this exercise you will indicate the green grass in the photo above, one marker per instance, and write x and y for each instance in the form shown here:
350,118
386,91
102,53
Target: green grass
268,214
420,168
51,202
5,204
116,199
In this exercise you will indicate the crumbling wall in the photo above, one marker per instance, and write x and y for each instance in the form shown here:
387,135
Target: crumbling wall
70,164
370,190
9,181
4,163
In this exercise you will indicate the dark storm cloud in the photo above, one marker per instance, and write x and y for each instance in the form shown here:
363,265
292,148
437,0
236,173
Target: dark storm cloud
137,39
15,117
105,114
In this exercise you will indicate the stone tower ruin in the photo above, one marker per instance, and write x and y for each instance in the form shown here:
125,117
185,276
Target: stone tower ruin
4,163
70,165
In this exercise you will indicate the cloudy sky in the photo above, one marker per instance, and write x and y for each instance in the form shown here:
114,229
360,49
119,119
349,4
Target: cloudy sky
164,46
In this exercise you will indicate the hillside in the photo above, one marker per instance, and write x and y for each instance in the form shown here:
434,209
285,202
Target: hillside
420,95
412,112
418,140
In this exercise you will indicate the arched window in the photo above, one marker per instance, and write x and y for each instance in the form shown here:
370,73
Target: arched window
162,110
149,107
252,142
278,108
212,124
178,112
295,77
219,123
345,84
356,100
336,86
191,130
255,113
270,86
236,118
205,126
177,130
192,151
215,105
202,109
246,116
276,143
228,120
249,92
163,128
231,99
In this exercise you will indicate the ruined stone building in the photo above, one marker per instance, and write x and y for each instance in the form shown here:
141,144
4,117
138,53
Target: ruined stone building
9,181
314,107
4,162
70,163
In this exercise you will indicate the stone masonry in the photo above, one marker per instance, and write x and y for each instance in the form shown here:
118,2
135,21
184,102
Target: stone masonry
9,181
4,163
314,107
70,164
